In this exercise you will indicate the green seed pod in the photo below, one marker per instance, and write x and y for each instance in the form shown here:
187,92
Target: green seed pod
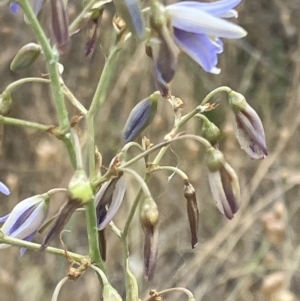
214,159
5,102
25,57
79,189
210,132
110,294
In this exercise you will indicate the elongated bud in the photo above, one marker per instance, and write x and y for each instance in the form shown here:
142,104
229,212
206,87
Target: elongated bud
140,117
192,211
149,221
210,132
248,127
79,194
110,294
130,11
60,25
5,102
223,182
25,57
161,49
79,189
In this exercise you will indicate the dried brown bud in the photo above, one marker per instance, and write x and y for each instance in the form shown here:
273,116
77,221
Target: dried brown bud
149,221
192,211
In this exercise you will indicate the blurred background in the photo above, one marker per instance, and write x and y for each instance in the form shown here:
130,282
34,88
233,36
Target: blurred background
256,255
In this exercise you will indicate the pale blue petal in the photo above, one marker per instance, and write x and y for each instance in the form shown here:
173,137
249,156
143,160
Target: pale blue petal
200,48
32,223
201,22
14,7
229,14
136,17
4,189
29,238
4,218
117,199
214,8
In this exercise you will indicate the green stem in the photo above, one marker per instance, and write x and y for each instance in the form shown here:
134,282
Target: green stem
212,93
92,231
175,289
13,86
171,168
105,81
51,59
26,124
36,247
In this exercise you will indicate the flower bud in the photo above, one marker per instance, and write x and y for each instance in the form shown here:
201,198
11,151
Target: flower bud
26,218
192,211
130,11
149,221
110,194
140,117
110,294
214,159
210,132
249,128
223,182
5,102
60,25
25,57
79,189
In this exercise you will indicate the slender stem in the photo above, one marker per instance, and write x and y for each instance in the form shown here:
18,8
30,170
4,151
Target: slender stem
100,273
175,289
51,59
92,231
58,288
105,81
139,179
13,86
212,93
36,247
171,168
26,124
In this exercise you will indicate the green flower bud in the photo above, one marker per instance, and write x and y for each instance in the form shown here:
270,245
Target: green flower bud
79,189
214,159
110,294
210,132
25,57
5,102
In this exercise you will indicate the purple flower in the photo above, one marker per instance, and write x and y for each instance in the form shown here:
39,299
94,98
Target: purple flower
25,219
223,182
198,28
4,189
249,129
140,117
35,4
110,194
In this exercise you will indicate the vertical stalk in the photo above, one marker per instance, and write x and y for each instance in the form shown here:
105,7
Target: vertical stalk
51,60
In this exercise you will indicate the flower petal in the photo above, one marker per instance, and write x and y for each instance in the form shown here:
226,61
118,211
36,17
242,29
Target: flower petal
199,21
116,201
4,218
28,238
200,48
32,223
218,193
4,189
214,8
